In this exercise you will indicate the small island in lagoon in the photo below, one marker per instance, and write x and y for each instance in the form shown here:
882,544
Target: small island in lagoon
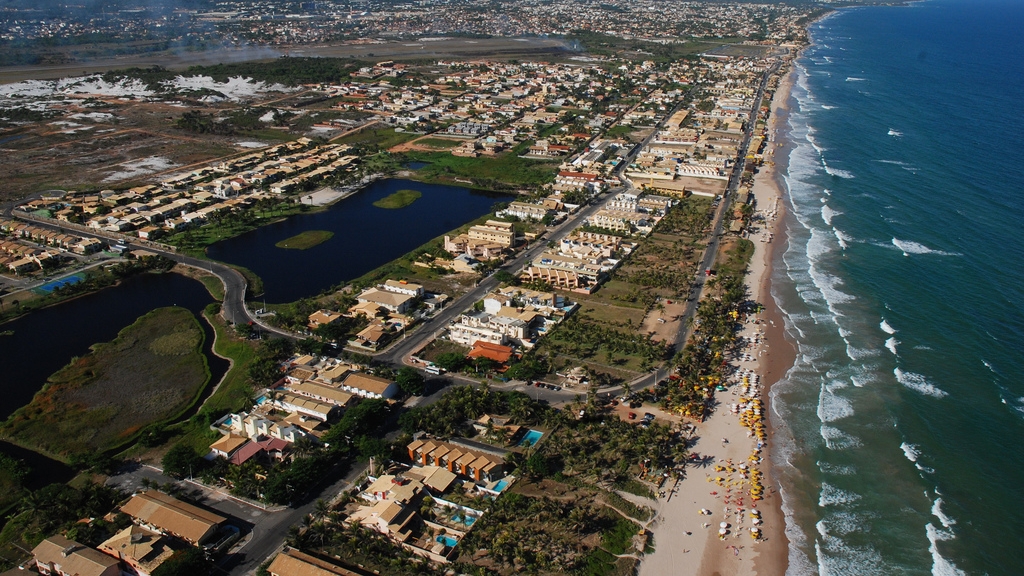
305,240
399,199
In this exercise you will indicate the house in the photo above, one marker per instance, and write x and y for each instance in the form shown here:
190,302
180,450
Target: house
323,317
308,406
228,445
373,336
369,386
524,211
59,556
396,303
168,515
291,562
138,549
495,352
403,287
322,393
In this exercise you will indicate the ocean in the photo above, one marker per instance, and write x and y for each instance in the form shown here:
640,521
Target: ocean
898,443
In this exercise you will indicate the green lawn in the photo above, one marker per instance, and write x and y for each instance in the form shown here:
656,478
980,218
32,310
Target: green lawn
305,240
214,286
152,372
234,391
399,199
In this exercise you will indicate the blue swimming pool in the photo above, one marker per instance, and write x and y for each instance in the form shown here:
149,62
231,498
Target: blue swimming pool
261,400
447,541
501,485
465,520
531,438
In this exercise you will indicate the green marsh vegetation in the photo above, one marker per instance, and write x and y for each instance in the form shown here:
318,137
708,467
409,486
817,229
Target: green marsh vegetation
305,240
399,199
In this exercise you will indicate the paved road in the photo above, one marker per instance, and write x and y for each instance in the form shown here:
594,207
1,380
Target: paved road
235,285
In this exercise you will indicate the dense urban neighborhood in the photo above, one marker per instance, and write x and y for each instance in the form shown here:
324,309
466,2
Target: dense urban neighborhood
518,388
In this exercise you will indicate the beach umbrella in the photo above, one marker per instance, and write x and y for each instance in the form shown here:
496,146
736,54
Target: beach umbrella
723,531
724,525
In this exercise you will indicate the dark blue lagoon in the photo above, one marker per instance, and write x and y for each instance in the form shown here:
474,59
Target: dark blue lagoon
365,237
46,340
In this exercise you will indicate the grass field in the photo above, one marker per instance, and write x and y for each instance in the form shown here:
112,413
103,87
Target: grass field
507,167
305,240
399,199
438,143
381,138
150,373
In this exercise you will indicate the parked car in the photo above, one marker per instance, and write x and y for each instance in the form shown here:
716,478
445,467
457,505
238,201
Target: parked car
632,415
648,416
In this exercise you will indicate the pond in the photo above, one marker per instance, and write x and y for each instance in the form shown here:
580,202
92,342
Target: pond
365,237
47,339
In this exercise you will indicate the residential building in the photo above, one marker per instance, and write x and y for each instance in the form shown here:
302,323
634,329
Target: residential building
291,562
392,301
369,386
475,463
140,551
403,287
494,231
168,515
58,556
323,317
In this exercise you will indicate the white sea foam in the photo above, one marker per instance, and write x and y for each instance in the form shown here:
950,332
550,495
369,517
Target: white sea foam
947,522
832,496
837,558
940,565
836,469
827,214
989,366
836,439
911,451
858,354
918,383
891,344
886,327
842,238
837,172
910,247
895,133
827,107
854,79
827,192
832,407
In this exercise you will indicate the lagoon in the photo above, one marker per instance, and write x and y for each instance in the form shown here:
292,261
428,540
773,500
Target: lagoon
47,339
365,237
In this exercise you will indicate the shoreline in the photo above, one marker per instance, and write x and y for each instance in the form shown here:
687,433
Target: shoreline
687,541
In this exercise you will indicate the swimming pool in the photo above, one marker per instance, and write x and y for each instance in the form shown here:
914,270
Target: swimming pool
447,541
261,400
531,438
501,485
464,519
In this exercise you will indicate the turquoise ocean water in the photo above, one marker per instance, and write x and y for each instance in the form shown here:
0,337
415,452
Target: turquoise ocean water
900,428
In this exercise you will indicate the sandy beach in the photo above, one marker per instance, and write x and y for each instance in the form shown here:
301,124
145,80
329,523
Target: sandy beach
716,496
